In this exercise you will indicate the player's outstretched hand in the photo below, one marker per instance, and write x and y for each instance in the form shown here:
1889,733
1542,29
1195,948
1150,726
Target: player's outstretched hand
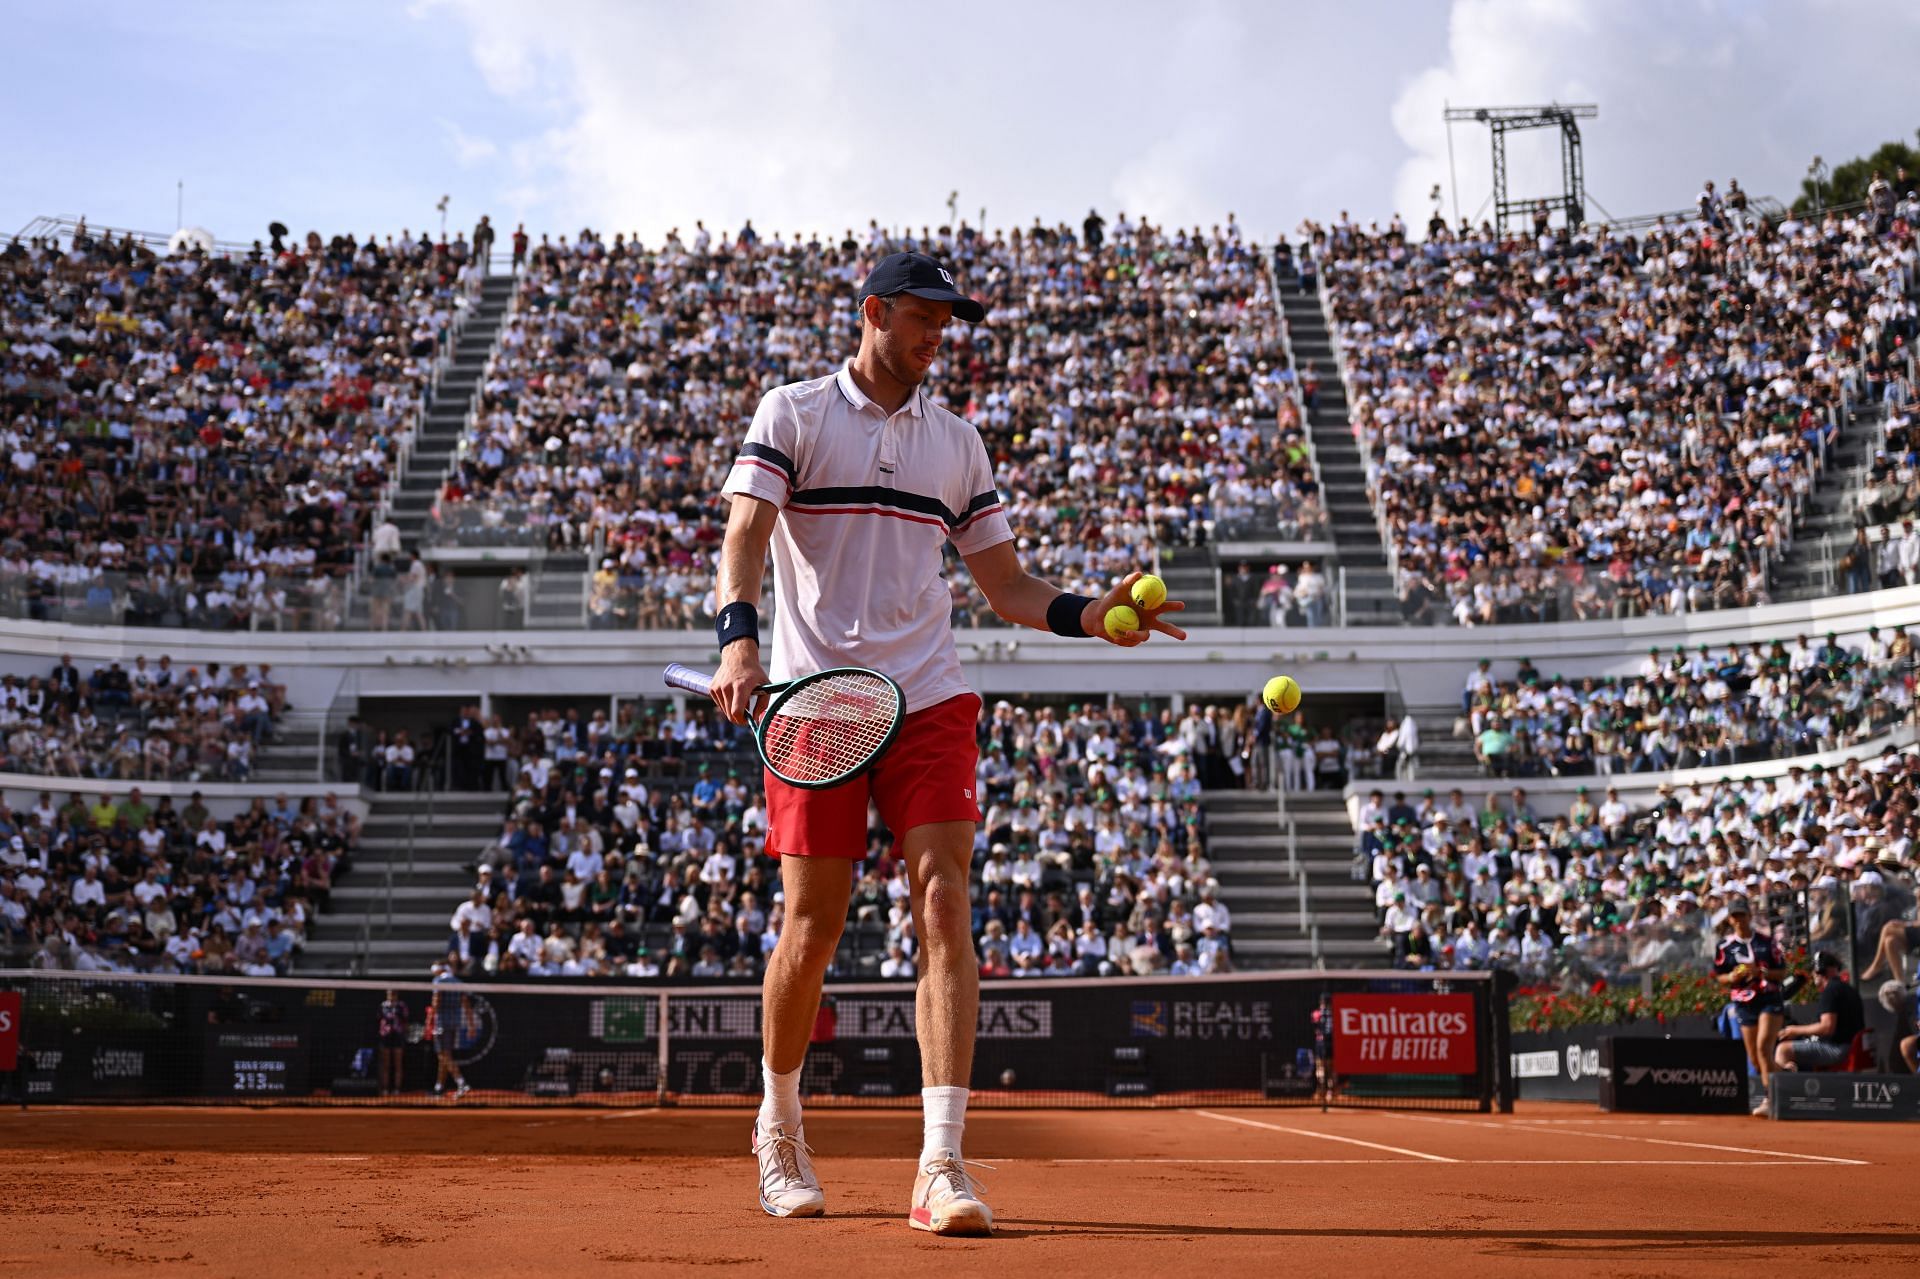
736,682
1093,617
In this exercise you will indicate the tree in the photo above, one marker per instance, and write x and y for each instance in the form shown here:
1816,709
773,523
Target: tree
1847,184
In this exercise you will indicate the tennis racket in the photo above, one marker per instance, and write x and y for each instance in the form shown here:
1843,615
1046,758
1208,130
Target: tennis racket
820,730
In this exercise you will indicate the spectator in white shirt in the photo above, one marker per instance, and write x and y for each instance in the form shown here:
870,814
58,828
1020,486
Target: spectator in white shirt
88,891
1211,913
474,912
896,966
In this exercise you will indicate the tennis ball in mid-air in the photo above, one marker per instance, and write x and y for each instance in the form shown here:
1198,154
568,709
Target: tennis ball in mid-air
1281,694
1121,619
1149,592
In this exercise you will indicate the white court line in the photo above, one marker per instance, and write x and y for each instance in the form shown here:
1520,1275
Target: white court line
576,1118
1508,1163
1797,1156
1324,1136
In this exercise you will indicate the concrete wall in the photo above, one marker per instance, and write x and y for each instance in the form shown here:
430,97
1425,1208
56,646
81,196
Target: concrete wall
1553,796
222,799
1429,665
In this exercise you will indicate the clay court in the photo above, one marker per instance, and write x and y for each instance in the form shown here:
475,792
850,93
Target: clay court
1551,1189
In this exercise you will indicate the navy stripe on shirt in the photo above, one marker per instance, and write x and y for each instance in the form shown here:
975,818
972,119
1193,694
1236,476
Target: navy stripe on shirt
766,452
899,499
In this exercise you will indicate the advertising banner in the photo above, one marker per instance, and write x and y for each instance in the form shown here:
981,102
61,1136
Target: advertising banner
1404,1034
9,1029
1794,1094
1564,1065
1673,1076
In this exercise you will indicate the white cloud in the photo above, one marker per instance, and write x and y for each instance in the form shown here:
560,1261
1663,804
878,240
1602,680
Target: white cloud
1687,89
468,149
818,114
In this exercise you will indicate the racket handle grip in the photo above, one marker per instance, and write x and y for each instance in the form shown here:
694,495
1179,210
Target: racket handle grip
678,676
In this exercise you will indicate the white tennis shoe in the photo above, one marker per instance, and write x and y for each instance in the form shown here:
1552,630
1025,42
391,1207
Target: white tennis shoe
946,1198
788,1186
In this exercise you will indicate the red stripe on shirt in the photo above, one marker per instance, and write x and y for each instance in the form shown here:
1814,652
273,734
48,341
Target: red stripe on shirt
768,468
968,522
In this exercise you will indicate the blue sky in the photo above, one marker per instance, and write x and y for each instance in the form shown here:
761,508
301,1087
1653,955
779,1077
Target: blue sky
817,114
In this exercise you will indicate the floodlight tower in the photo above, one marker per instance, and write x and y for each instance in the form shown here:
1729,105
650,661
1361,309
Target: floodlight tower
1573,178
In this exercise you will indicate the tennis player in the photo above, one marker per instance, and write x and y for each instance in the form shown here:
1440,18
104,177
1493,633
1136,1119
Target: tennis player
857,480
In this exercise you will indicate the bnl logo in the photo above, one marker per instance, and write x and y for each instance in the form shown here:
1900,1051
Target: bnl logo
1149,1019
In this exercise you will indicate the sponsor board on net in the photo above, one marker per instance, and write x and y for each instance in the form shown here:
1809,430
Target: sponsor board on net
1247,1020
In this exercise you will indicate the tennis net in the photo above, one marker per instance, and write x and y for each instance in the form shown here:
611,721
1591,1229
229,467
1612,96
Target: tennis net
1431,1040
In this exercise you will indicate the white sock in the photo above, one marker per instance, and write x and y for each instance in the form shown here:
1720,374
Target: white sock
945,1111
780,1103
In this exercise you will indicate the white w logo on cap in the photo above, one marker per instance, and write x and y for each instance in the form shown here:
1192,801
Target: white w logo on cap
943,275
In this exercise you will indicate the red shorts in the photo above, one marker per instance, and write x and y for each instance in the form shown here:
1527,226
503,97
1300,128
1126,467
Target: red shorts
927,775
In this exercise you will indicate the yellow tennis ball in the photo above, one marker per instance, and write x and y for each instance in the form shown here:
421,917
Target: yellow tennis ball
1281,694
1149,592
1121,619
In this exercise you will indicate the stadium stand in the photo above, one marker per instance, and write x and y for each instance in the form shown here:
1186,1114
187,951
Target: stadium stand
656,819
544,420
147,722
1608,889
1595,425
1105,347
201,440
128,884
1693,710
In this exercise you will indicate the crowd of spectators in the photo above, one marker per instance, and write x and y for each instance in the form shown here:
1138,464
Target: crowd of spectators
1697,709
1825,856
199,439
1299,594
627,374
1591,424
148,722
130,884
636,846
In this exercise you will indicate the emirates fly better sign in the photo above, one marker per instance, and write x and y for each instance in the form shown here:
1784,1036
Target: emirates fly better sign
1404,1035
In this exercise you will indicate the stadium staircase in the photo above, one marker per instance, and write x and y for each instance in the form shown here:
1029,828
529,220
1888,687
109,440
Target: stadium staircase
1343,475
389,916
439,437
558,595
1339,909
1442,755
1811,568
1192,575
1298,912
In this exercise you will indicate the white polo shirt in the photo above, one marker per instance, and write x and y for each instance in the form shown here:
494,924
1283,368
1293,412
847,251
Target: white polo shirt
867,503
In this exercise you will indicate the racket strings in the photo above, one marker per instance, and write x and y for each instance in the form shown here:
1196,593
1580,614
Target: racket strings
831,727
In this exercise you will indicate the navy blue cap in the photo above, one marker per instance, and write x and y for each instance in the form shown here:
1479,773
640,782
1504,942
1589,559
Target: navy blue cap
920,275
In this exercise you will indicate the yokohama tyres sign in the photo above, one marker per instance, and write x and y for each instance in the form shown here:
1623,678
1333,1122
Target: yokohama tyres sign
1404,1035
